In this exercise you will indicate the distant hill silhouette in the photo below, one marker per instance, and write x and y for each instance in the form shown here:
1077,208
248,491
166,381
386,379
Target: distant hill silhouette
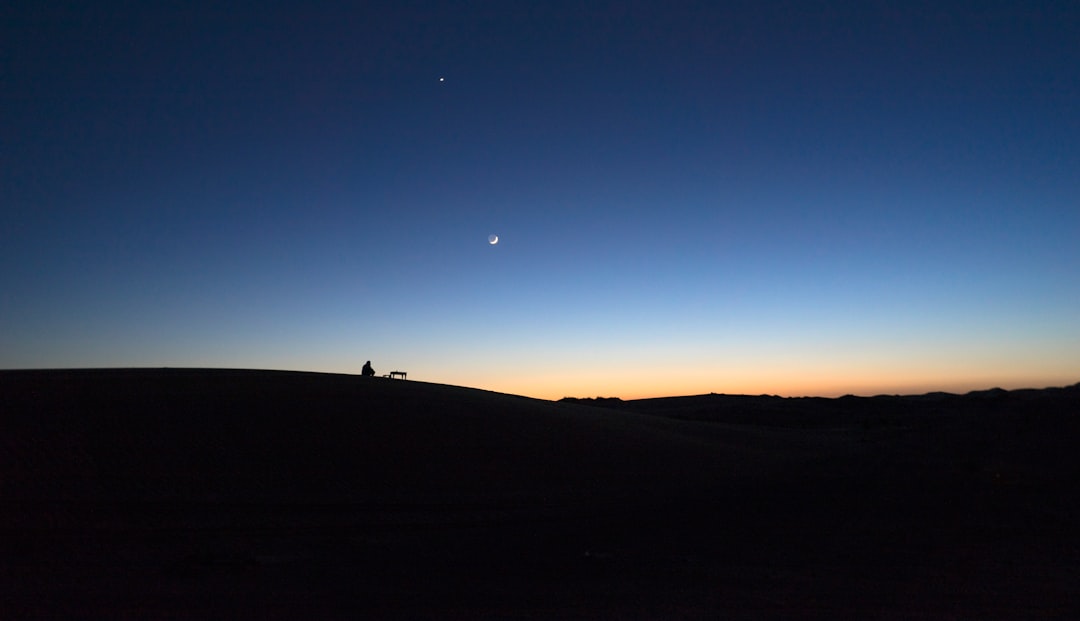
600,401
846,411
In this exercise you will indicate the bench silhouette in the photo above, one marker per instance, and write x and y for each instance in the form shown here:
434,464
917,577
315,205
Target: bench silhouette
394,374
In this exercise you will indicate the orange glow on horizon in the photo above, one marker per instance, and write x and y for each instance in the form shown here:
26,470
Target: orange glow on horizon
555,388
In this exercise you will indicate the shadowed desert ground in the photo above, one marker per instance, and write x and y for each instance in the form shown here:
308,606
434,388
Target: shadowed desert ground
187,493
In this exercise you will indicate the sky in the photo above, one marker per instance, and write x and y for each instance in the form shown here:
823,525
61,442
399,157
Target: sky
755,197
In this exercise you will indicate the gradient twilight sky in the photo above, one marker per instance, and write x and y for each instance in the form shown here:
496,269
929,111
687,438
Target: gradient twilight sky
795,197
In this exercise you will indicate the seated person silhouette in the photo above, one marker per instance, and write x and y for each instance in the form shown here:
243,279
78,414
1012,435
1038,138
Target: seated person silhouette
367,371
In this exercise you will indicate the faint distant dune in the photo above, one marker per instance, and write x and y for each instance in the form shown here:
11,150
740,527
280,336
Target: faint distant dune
847,411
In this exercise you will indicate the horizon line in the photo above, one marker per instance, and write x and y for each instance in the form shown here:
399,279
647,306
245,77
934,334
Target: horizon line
598,397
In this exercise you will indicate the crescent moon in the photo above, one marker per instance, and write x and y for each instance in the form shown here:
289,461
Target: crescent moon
493,239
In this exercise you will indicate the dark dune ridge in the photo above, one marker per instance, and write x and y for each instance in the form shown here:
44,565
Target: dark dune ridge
183,493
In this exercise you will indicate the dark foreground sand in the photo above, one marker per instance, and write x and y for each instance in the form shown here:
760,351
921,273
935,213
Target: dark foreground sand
179,494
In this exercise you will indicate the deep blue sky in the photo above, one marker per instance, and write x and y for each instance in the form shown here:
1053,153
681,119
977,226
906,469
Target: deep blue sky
786,197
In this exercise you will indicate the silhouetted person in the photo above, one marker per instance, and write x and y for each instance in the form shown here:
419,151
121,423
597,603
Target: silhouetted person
367,371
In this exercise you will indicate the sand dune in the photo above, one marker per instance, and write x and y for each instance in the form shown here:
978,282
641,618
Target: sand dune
241,436
154,493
